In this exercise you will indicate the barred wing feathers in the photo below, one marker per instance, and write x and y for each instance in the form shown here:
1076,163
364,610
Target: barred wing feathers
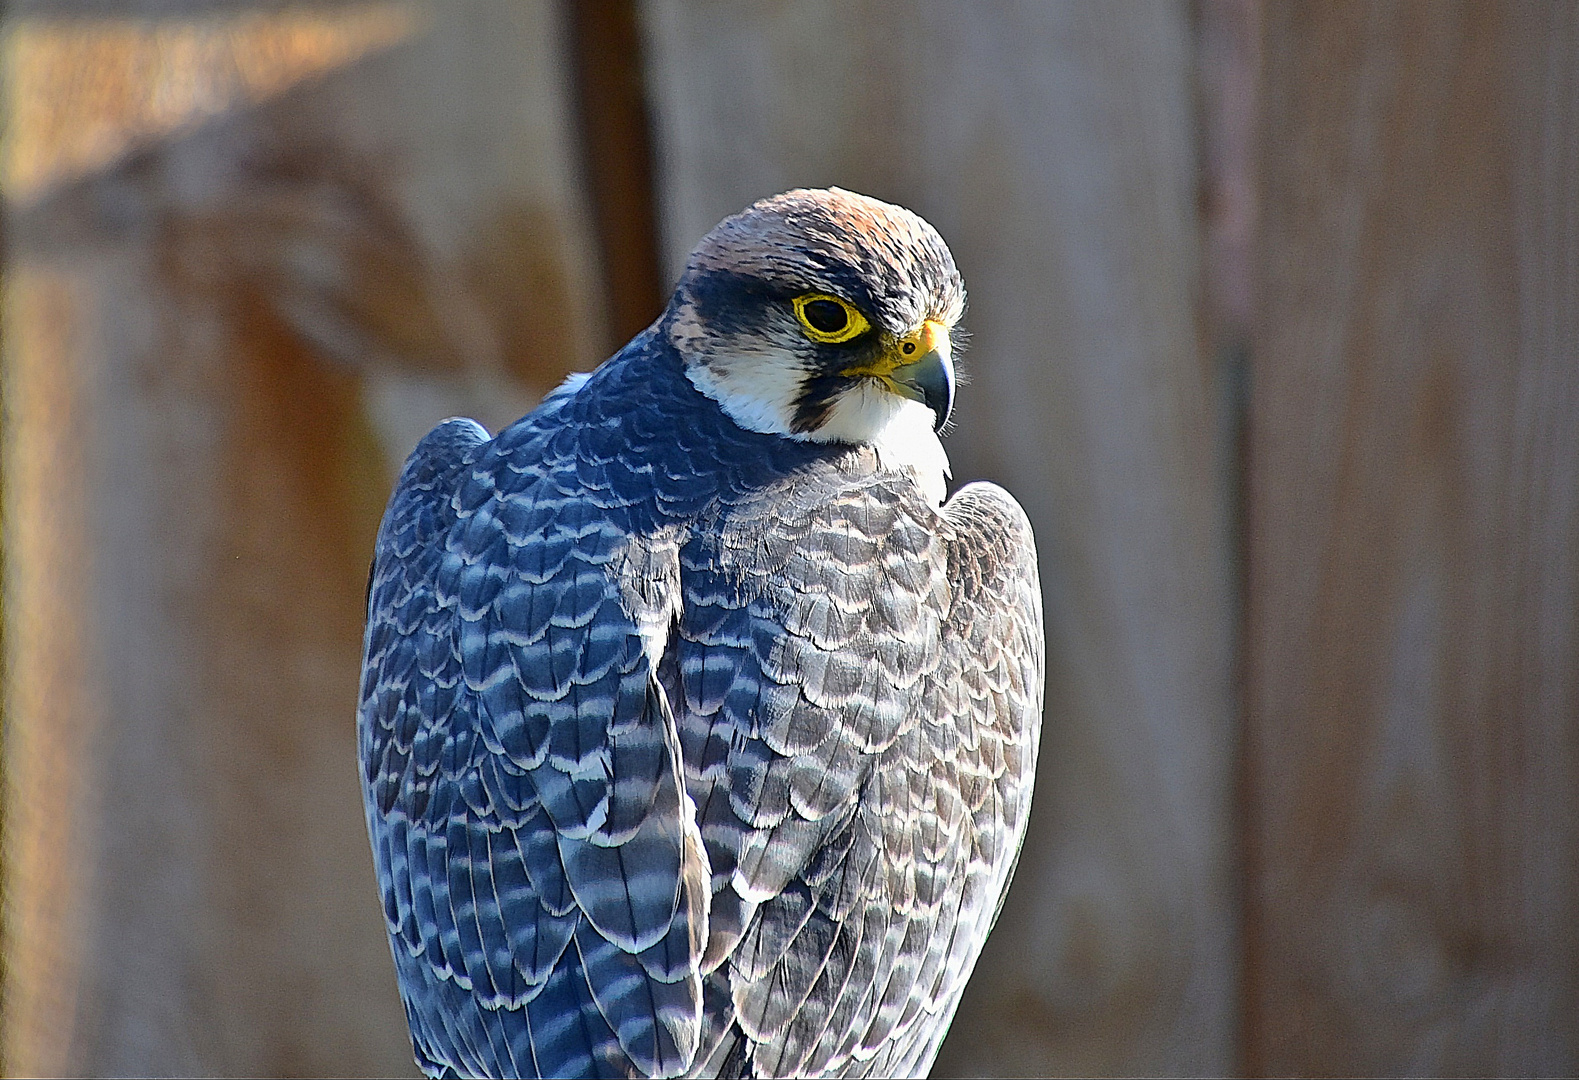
689,750
545,901
861,682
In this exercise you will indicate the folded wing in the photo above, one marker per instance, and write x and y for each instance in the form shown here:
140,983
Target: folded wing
544,883
859,684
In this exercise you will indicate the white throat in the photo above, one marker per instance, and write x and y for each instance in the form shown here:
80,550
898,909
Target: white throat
907,441
758,391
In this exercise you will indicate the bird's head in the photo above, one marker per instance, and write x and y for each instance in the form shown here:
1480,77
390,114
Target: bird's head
821,315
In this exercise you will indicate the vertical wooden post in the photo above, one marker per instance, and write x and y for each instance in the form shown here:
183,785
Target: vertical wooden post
606,63
1413,738
53,705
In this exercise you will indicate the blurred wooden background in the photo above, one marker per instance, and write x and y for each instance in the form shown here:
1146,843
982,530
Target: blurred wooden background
1276,335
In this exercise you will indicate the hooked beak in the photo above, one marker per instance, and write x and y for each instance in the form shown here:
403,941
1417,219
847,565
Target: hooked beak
930,377
919,367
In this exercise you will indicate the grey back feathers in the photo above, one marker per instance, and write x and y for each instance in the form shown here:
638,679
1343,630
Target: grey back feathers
689,749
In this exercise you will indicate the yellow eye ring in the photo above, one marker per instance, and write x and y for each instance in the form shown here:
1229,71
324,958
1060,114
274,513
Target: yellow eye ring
829,320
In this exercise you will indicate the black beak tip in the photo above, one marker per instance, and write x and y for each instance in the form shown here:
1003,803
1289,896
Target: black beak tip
942,411
936,383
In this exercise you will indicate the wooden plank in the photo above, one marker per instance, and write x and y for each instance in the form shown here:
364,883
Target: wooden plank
1054,148
1413,697
226,326
55,714
615,138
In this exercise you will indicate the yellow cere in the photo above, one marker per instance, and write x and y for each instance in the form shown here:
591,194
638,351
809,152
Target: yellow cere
901,352
828,319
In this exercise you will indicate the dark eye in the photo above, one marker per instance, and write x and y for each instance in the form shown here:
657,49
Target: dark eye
825,315
828,319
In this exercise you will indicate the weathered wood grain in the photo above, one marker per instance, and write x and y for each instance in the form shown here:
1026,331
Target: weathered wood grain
225,328
1413,694
1054,148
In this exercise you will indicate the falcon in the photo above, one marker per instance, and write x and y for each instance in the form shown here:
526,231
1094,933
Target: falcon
696,728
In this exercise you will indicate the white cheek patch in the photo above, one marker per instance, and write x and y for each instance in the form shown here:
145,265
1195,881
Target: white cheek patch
757,389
